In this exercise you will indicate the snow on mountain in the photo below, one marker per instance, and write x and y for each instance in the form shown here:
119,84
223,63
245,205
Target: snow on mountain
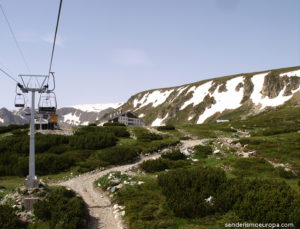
212,99
97,107
1,120
159,121
230,99
292,73
264,101
198,94
156,98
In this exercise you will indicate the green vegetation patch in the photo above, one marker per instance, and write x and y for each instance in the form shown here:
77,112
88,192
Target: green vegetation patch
61,209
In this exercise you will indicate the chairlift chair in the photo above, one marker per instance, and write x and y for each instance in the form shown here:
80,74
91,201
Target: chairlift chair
47,103
19,100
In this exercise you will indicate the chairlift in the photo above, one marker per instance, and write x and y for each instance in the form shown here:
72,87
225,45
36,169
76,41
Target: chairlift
47,103
19,100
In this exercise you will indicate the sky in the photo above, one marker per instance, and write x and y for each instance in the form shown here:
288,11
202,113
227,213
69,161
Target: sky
110,50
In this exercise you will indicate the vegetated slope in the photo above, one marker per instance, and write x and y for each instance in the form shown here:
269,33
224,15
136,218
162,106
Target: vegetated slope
230,97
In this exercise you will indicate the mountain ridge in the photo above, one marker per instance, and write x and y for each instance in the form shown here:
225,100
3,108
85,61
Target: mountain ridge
250,93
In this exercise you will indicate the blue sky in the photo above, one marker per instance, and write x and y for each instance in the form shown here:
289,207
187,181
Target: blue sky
110,50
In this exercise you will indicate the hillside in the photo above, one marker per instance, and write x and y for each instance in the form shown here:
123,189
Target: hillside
230,97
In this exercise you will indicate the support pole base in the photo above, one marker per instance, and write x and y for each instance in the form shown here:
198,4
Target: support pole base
31,183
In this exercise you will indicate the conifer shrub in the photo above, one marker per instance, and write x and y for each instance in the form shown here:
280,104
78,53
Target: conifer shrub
186,190
8,219
92,140
166,127
144,135
174,155
202,151
268,201
152,166
113,124
62,209
148,137
119,154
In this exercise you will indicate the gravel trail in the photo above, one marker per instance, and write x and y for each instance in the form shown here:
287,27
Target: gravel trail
98,203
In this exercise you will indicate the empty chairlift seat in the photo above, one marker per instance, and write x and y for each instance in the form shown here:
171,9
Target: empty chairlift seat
47,103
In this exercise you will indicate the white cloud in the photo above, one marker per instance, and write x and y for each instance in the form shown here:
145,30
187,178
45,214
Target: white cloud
132,57
49,39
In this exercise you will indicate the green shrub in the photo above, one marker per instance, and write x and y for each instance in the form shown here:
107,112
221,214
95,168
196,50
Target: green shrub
152,166
202,151
174,155
113,124
148,137
92,140
186,190
281,172
267,201
62,209
167,127
5,129
145,136
119,154
8,219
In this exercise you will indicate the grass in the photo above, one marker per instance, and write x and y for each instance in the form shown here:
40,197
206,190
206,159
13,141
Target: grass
209,130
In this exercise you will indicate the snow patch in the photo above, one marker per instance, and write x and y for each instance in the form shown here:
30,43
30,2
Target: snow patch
198,95
1,120
97,107
258,99
159,121
292,73
190,118
230,99
155,97
179,91
85,123
141,115
72,119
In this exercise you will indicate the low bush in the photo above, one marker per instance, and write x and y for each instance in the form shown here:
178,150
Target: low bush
281,172
174,155
93,141
5,129
202,151
8,219
152,166
167,127
186,190
113,124
62,209
119,154
268,201
145,136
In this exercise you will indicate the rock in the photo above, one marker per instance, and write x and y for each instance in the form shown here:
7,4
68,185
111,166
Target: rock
119,186
141,182
193,159
122,213
116,206
99,185
217,151
113,189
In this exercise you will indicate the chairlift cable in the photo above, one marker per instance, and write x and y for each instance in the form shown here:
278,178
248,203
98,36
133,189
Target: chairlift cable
57,23
8,75
15,39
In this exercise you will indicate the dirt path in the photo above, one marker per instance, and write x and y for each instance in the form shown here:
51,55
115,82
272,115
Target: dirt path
98,204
